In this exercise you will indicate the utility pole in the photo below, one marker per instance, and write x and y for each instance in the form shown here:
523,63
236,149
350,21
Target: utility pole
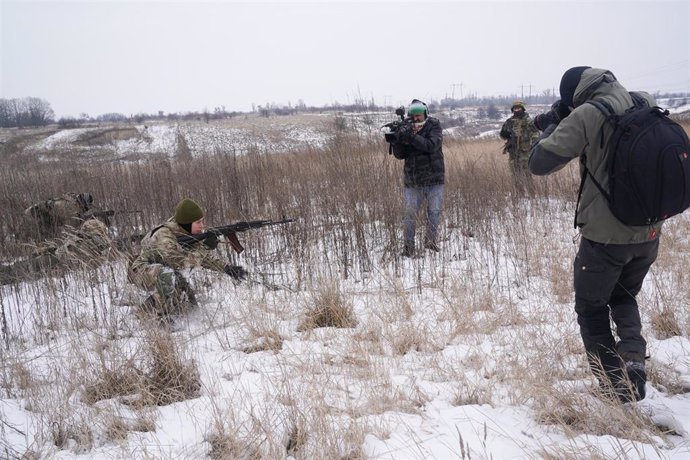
453,86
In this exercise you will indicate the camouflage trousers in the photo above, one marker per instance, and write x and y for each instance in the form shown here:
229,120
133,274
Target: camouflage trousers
519,167
519,162
171,292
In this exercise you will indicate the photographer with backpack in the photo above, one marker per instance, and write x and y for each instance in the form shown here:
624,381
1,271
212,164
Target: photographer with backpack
616,250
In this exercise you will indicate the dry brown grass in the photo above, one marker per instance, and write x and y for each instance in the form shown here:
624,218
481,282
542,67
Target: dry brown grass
159,374
505,248
664,323
579,413
267,340
328,308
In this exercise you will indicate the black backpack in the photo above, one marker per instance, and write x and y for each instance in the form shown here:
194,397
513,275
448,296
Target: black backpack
648,164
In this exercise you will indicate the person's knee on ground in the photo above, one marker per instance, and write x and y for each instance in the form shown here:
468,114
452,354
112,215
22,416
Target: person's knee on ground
166,282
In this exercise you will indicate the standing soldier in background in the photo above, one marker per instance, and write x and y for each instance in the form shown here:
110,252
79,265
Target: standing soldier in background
519,133
53,214
158,266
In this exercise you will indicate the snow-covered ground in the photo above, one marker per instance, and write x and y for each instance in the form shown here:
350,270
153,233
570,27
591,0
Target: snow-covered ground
245,134
249,133
471,353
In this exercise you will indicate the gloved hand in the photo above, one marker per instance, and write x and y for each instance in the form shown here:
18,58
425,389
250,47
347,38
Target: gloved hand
561,109
543,120
211,241
236,272
554,116
547,132
405,133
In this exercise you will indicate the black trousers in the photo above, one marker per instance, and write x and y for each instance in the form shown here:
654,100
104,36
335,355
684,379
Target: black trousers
607,280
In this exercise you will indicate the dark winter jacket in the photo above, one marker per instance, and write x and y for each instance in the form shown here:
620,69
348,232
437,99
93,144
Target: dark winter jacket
580,133
423,156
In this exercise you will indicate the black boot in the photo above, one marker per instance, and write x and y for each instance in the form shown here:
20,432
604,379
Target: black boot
632,388
408,250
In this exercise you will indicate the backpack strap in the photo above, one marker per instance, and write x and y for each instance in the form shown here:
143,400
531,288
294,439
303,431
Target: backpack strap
638,101
586,172
607,110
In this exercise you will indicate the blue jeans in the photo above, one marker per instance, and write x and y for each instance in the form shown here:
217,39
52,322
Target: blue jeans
413,198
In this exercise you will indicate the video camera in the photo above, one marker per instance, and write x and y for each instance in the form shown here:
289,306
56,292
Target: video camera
398,129
554,116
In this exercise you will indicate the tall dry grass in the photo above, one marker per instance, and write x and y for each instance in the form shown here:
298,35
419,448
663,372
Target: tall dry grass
364,343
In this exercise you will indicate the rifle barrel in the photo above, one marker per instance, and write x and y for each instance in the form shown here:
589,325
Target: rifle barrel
227,230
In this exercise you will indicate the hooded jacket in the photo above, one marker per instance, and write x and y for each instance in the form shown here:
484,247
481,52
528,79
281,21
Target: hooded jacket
423,156
580,133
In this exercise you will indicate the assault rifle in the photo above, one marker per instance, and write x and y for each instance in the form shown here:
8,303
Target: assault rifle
102,215
229,231
510,144
93,214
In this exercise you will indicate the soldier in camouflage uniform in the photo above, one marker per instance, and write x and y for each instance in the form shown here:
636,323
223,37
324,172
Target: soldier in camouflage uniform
519,133
53,214
86,247
157,268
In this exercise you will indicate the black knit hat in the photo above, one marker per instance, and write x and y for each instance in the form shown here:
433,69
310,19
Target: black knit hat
569,81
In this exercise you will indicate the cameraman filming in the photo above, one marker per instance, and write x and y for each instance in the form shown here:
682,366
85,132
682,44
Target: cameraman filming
418,140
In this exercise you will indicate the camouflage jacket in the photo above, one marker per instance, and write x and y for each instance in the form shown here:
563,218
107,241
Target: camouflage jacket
160,246
55,213
520,133
586,132
89,245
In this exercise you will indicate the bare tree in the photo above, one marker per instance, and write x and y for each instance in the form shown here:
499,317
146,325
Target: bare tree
492,112
28,111
40,112
5,114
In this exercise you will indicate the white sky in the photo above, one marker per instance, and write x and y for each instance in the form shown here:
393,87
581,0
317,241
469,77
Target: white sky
114,56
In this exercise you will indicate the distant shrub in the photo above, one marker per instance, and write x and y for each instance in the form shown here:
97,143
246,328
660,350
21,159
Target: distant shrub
69,123
340,122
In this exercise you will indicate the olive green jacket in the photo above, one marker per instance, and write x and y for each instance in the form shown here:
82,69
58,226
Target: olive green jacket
580,133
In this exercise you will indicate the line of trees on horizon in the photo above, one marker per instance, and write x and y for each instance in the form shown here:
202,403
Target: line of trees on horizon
25,112
36,112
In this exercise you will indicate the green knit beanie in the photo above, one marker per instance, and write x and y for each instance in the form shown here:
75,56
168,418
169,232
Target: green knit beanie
188,211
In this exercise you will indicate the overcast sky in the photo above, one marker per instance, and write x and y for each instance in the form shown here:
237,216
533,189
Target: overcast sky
100,56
